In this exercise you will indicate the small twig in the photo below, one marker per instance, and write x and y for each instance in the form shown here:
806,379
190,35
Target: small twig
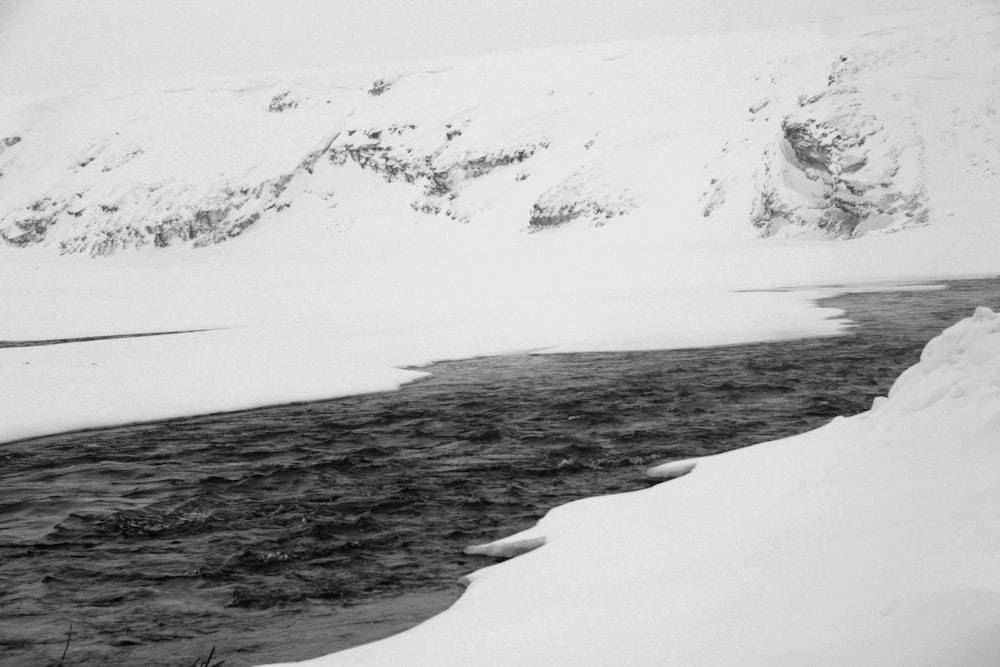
208,662
69,635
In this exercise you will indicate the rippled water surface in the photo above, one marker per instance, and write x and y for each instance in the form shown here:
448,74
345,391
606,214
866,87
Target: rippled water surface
290,532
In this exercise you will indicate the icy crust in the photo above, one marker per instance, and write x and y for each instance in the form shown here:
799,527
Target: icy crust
871,540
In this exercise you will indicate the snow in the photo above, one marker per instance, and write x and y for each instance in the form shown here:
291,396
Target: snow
341,236
866,541
301,336
311,239
672,469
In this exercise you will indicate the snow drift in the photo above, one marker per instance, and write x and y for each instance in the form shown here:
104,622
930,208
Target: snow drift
866,541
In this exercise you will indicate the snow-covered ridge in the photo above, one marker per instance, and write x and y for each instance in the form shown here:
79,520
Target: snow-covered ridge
867,541
834,134
200,166
870,151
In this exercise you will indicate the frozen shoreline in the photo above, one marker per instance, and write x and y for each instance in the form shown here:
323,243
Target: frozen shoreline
561,427
855,542
326,232
113,381
125,354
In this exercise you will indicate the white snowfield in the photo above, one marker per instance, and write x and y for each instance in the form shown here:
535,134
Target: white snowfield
317,234
352,222
869,541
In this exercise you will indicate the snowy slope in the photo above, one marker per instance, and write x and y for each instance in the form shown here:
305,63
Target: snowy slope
870,541
375,218
536,147
316,233
904,128
834,126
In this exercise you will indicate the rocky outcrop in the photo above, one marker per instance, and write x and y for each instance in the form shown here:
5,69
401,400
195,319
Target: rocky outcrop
585,195
221,215
379,87
439,173
6,143
282,102
105,217
839,170
29,225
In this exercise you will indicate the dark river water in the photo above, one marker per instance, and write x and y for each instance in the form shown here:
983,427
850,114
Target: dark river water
290,532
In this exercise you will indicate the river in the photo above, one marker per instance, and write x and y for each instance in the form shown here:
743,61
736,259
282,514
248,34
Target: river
290,532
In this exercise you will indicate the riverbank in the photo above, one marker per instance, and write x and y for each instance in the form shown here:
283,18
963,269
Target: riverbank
205,531
870,540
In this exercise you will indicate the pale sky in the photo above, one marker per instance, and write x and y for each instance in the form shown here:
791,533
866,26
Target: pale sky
54,46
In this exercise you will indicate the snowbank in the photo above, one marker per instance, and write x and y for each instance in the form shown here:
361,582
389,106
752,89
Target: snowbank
867,541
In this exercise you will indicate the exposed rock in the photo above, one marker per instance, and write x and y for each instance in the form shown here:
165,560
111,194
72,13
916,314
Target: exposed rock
428,207
115,163
758,105
309,161
30,225
438,172
401,128
584,195
838,170
549,214
110,227
282,102
379,86
714,198
474,166
382,159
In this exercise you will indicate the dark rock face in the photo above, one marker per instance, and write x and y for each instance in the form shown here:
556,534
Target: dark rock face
222,216
163,214
30,225
282,102
482,164
552,215
379,87
6,143
583,195
437,172
840,171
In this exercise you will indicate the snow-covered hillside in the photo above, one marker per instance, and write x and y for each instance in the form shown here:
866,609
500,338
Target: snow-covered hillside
870,541
620,196
830,133
305,236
